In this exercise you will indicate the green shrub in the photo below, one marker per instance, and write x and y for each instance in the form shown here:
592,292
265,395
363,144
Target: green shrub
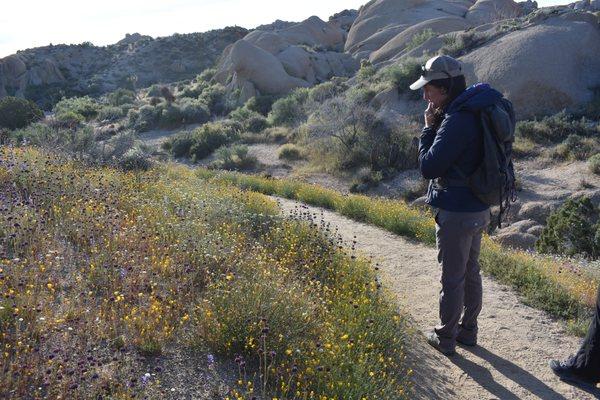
260,104
18,113
207,75
201,142
110,113
84,106
289,110
456,45
575,147
215,97
69,118
235,158
366,71
325,91
572,229
402,75
195,112
420,38
179,145
135,159
170,116
251,121
556,128
120,97
278,134
594,163
155,91
290,152
147,118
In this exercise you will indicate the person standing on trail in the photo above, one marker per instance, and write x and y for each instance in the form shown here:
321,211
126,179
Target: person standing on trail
583,369
451,147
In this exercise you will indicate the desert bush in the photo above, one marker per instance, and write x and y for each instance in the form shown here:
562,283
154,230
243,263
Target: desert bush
111,113
155,91
366,71
361,94
278,134
572,229
251,121
556,128
84,106
419,38
194,112
289,110
146,118
458,44
234,158
18,113
402,75
69,119
170,116
207,75
325,91
201,142
215,97
135,159
594,163
575,147
120,97
290,152
261,104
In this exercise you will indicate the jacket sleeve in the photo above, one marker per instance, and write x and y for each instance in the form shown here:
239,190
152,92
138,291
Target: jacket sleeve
438,151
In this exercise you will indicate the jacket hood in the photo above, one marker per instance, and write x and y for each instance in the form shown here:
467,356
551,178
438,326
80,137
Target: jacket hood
475,98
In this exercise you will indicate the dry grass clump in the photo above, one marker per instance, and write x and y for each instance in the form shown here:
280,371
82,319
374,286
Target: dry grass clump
100,269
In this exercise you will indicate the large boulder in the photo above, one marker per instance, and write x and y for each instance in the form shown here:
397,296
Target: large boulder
381,20
15,75
484,11
384,27
399,43
523,64
267,40
251,63
314,32
344,19
276,61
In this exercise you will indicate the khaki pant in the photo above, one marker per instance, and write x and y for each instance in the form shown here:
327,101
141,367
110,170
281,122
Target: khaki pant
458,239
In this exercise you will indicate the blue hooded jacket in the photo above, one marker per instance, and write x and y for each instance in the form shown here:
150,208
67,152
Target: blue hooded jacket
457,142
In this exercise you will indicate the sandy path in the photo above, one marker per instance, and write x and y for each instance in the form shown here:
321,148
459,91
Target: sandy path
516,341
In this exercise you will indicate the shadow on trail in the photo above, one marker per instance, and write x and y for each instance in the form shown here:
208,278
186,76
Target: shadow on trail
512,371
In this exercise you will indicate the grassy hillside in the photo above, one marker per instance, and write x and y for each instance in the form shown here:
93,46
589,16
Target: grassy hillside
101,270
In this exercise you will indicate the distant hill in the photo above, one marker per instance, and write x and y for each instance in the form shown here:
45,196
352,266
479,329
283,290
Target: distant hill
45,74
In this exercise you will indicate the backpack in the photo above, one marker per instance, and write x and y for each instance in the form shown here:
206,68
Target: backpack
493,182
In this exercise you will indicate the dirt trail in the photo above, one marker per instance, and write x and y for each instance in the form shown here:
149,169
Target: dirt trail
515,343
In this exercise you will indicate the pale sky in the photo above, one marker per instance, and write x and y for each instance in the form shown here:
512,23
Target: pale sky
32,23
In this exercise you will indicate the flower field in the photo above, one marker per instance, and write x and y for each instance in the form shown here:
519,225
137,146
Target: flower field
101,269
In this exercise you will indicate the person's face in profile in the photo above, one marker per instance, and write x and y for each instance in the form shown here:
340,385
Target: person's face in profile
435,95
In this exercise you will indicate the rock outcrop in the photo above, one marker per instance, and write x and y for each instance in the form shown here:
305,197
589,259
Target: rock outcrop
523,64
276,61
383,22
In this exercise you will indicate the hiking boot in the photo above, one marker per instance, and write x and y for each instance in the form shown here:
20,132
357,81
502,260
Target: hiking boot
434,341
466,341
565,371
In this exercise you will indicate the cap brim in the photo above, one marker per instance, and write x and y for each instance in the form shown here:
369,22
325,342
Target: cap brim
419,84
